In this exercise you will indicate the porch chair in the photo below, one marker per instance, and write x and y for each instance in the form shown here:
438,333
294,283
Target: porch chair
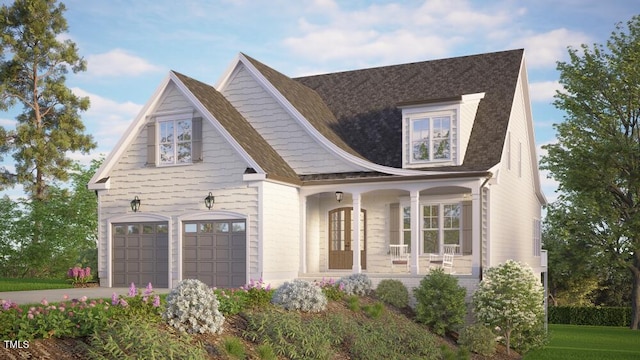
399,255
447,264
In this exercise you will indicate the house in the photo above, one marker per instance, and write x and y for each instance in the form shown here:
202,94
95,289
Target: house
267,176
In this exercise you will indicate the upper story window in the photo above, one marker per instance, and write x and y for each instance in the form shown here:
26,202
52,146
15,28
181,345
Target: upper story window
430,137
174,142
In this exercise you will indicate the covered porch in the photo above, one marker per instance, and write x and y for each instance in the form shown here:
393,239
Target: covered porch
392,229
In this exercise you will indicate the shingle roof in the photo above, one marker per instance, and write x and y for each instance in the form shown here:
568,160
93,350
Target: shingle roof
240,129
364,103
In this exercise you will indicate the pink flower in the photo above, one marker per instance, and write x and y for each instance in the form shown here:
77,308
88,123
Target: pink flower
61,308
70,313
132,290
44,302
114,299
30,316
124,303
74,272
87,272
149,289
156,301
65,297
83,299
81,273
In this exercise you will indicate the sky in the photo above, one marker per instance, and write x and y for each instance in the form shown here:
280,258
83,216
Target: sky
130,46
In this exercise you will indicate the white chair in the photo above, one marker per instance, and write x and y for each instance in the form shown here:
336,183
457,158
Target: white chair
399,255
447,263
451,249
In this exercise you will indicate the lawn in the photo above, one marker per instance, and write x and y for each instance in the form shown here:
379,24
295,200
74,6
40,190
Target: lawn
569,342
11,284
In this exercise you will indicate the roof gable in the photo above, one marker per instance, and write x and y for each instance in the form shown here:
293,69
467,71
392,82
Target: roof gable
365,103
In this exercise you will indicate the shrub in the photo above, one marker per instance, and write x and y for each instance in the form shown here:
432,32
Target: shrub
79,275
590,315
331,289
393,292
440,302
355,284
300,295
258,294
142,304
193,307
373,311
478,339
125,339
511,297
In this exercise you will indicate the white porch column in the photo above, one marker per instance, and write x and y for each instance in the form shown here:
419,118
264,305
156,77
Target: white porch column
357,267
476,238
303,234
415,232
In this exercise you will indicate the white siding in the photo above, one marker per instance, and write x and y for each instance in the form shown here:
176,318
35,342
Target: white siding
280,233
279,129
174,191
514,203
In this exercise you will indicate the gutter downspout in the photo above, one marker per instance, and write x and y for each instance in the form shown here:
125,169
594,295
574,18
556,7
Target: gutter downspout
489,177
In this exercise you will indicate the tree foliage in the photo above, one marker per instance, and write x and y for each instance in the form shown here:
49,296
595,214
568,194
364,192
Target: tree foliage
597,157
511,298
70,217
34,76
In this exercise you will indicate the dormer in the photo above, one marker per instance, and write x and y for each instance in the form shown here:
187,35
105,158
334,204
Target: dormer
436,132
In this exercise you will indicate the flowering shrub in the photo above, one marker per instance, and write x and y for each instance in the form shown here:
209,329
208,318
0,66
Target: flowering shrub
300,295
355,284
257,293
440,302
510,298
393,292
331,289
478,339
78,275
193,307
138,303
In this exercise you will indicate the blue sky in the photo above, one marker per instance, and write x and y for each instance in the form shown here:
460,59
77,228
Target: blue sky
131,45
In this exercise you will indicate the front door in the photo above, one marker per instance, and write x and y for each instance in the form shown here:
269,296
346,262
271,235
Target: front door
341,235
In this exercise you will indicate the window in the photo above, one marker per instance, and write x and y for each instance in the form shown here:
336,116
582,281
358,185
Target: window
441,224
341,227
430,138
174,143
537,239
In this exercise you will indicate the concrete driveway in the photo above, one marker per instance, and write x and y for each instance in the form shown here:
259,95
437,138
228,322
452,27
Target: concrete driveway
57,295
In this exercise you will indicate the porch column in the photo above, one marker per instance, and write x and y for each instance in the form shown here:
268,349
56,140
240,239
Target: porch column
303,234
357,267
476,237
415,232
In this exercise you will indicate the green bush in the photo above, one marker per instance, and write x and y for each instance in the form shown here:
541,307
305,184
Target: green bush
440,302
596,316
125,339
331,289
478,339
393,292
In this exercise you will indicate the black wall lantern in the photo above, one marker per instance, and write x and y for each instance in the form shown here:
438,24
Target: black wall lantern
135,204
339,196
209,201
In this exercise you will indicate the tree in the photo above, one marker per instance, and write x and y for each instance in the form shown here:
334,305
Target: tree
34,76
597,157
71,219
511,298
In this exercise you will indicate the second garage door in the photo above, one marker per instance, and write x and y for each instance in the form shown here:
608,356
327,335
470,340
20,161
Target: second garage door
214,252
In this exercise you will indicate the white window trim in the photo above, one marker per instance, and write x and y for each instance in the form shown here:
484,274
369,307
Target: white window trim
431,202
410,117
174,117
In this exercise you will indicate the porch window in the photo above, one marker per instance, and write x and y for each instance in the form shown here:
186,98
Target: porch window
441,224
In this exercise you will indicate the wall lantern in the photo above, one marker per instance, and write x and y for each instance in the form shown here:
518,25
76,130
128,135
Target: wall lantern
339,196
209,201
135,204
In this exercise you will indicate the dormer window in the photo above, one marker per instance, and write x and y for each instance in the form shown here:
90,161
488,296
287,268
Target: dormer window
436,132
175,141
430,137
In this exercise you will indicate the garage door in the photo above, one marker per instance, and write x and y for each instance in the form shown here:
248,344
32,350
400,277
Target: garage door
214,252
141,254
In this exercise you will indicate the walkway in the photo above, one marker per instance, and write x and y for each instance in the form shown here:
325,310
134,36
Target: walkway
57,295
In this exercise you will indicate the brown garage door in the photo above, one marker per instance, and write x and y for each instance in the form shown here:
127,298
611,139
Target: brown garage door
214,252
141,254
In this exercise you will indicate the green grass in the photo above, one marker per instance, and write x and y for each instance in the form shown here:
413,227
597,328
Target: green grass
568,342
10,284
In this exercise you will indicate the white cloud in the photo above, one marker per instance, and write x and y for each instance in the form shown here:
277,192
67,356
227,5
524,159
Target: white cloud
546,49
119,62
9,123
108,118
543,91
